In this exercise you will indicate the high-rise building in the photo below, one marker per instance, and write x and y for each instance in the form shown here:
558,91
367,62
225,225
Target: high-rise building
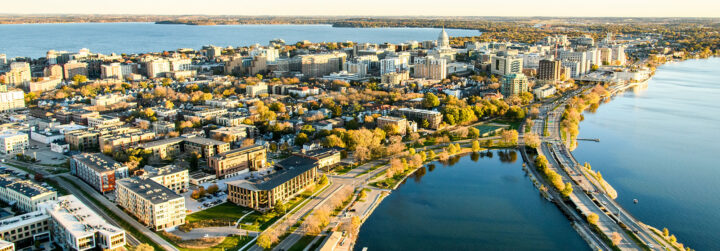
19,74
430,68
514,84
73,68
318,65
13,142
618,55
53,71
157,68
113,70
506,64
549,70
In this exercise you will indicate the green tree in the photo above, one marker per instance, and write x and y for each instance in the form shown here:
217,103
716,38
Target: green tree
280,207
324,180
301,139
473,132
430,100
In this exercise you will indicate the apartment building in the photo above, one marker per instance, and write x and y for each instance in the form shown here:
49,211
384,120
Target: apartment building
98,170
24,194
433,118
318,65
205,147
154,205
74,226
13,142
164,148
170,176
398,124
234,134
514,84
430,68
238,161
291,177
25,229
123,140
102,120
11,99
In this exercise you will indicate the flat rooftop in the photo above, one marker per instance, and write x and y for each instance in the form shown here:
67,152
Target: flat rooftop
286,170
161,142
98,161
148,189
77,218
205,141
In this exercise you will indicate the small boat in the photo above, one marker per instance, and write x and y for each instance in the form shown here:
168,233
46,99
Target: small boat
635,201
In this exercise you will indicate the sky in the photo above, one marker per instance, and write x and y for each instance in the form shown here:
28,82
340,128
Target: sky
581,8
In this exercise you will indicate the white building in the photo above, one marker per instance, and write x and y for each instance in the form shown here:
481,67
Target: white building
13,142
24,194
157,68
74,226
152,204
11,100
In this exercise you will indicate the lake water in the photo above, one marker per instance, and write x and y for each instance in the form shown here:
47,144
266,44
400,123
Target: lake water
34,40
659,144
471,203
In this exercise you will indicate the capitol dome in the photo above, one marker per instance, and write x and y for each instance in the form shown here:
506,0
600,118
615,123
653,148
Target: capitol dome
443,39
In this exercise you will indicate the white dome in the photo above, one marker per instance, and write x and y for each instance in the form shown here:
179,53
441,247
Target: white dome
443,39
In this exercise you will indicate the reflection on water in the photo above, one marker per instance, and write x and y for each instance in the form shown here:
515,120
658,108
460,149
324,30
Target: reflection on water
475,203
659,143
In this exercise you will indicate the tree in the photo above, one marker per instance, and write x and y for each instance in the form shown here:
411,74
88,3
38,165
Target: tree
143,247
362,154
280,207
568,189
509,137
532,140
324,179
169,104
475,146
593,218
616,238
666,232
430,100
425,123
473,132
301,139
362,194
267,238
212,189
78,79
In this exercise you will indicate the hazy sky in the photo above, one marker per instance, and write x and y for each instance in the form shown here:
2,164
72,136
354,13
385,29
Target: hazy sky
634,8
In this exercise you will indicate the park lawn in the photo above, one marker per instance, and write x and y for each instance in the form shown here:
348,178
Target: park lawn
225,211
344,170
229,243
302,243
265,220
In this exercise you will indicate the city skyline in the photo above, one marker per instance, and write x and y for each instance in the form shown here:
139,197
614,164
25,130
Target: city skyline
562,8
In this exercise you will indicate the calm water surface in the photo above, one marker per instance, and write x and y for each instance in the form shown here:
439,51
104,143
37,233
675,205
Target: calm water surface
660,144
472,203
34,40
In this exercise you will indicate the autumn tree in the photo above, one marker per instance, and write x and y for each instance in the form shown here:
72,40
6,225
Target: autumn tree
509,137
212,189
616,238
593,218
430,100
362,154
532,140
476,146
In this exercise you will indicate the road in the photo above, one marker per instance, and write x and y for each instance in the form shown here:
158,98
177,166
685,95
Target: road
99,197
590,198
